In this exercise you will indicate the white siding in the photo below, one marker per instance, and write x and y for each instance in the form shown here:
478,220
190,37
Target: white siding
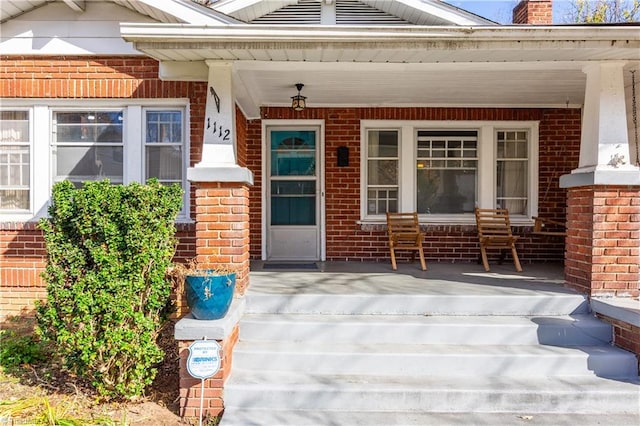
56,30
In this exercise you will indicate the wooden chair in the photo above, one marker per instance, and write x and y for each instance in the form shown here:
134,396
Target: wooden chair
494,231
404,234
548,227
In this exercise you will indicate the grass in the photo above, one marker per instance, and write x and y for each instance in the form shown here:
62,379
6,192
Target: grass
43,410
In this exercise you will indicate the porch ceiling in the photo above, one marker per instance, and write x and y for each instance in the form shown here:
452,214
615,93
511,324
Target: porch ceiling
406,66
349,84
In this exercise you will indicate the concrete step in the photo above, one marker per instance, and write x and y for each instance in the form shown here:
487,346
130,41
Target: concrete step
579,329
524,304
266,390
264,417
438,360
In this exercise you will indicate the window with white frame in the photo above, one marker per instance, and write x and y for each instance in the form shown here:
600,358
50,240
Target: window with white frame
82,141
88,145
164,145
15,164
382,171
512,175
444,169
447,171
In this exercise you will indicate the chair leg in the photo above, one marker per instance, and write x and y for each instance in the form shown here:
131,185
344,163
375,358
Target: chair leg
516,261
422,261
393,260
485,261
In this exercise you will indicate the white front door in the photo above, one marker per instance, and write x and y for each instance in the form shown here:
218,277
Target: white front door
293,193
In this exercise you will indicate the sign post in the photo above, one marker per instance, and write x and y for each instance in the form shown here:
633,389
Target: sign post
203,362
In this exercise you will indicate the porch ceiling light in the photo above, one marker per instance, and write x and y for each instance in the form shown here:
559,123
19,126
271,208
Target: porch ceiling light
298,102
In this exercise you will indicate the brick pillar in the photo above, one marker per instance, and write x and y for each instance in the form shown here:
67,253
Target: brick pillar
222,228
603,240
190,387
222,240
533,12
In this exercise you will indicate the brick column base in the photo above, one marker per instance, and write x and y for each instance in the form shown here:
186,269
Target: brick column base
222,228
603,240
190,387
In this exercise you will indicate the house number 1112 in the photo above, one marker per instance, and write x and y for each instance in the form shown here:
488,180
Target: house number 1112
219,131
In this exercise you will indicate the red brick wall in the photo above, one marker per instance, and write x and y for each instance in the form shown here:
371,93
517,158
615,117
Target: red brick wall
535,12
625,335
22,259
241,135
559,151
346,240
253,143
603,240
22,255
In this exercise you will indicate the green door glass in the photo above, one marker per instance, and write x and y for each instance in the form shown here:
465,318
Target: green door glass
293,177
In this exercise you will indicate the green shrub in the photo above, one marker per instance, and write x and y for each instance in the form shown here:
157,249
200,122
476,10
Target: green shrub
18,349
108,247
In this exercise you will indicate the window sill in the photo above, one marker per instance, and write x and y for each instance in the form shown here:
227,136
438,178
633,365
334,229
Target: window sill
462,220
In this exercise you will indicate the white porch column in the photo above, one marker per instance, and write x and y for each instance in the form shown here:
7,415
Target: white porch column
219,156
220,118
222,185
601,255
604,146
604,140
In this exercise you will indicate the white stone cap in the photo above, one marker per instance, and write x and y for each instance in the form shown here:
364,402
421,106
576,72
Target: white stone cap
620,308
220,174
601,177
189,328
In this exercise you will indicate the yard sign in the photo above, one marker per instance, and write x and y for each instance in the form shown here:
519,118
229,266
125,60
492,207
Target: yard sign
203,362
204,359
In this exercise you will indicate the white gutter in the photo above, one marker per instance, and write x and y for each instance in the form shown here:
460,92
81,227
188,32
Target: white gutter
622,36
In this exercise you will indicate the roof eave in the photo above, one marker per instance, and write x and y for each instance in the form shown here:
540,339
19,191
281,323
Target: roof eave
379,35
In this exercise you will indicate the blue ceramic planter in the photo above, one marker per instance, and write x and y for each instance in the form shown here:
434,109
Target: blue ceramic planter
209,296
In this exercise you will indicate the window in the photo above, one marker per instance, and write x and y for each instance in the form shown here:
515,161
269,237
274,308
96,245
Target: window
82,140
447,171
382,171
512,170
163,145
15,160
444,169
88,145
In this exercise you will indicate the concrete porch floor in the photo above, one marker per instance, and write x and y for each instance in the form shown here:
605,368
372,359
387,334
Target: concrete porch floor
378,278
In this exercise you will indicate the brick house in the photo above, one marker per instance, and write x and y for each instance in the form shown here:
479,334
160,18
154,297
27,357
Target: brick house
409,106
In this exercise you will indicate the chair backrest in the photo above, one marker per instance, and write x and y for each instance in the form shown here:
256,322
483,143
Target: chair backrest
402,223
493,223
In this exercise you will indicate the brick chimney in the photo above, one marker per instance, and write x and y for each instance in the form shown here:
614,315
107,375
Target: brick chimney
533,12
